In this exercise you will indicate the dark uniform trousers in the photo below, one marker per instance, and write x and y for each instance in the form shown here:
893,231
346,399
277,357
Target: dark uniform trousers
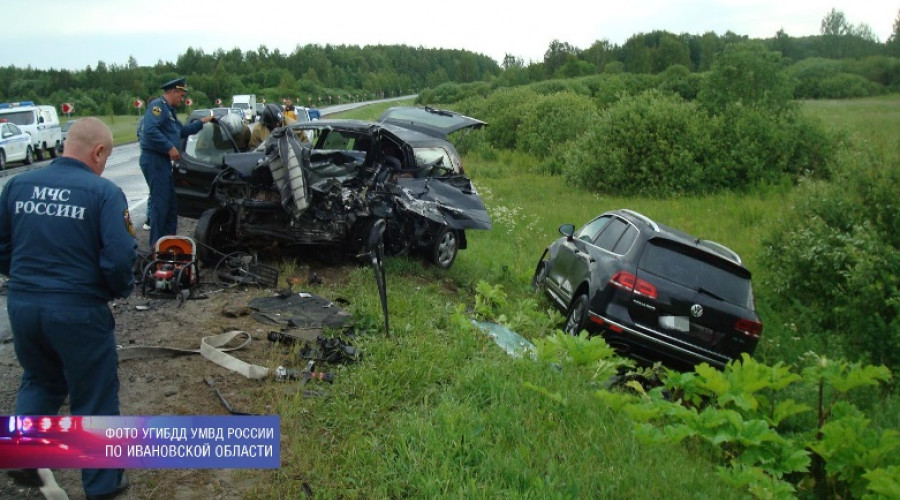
80,332
164,208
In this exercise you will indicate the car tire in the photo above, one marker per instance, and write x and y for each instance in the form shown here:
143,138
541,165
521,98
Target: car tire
2,160
214,235
39,154
445,247
540,275
52,151
577,315
29,156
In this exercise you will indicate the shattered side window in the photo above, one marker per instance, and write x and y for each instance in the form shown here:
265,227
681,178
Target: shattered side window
436,158
204,146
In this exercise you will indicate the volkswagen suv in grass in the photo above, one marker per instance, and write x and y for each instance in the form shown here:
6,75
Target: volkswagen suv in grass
655,293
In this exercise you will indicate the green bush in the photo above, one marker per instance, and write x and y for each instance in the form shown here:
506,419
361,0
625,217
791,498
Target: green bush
807,74
503,111
652,144
550,87
846,85
882,70
448,93
838,273
679,80
553,119
614,68
750,75
607,89
755,146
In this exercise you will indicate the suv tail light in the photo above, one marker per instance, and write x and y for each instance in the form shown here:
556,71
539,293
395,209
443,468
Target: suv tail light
748,327
630,282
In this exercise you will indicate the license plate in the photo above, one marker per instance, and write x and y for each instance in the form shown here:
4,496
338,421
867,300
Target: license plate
678,323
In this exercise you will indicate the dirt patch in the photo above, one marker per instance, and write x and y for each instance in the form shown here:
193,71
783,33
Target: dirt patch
177,386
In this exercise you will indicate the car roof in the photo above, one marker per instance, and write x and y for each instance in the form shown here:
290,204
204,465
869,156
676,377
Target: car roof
428,120
197,114
664,231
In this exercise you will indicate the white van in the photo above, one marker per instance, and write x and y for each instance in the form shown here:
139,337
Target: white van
247,104
40,122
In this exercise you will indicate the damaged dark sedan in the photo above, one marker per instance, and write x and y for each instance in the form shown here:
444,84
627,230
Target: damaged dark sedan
327,183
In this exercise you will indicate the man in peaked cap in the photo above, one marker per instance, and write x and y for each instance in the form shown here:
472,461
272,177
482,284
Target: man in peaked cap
160,141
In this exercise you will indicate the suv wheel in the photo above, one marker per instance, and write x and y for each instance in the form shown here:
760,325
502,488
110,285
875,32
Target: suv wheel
577,316
29,156
444,249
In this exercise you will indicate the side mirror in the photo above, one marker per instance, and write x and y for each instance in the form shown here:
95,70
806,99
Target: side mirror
567,230
40,119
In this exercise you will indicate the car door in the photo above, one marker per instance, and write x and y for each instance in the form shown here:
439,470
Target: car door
200,163
15,143
605,255
571,254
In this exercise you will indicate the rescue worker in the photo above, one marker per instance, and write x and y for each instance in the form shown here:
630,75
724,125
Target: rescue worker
140,126
289,111
160,139
272,118
68,247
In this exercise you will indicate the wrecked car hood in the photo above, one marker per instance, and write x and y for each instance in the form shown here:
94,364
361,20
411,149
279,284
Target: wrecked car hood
452,201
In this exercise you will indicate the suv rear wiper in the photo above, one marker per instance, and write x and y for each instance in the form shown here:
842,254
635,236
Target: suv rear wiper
711,294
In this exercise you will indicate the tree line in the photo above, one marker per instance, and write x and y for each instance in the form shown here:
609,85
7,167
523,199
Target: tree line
316,75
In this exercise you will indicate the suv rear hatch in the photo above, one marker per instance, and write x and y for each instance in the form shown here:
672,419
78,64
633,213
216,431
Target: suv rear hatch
703,300
434,122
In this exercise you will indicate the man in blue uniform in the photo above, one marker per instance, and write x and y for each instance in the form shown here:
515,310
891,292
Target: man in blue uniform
160,139
68,247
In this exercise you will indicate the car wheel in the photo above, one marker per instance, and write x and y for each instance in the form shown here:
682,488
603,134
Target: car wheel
540,275
445,247
214,234
52,152
29,156
577,316
2,160
39,154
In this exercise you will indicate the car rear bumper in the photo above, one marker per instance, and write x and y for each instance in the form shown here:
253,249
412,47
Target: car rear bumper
656,342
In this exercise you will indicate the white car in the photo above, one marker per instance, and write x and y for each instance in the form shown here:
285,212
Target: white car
15,145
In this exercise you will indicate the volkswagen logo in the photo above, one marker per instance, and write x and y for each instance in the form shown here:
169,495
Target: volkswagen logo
696,310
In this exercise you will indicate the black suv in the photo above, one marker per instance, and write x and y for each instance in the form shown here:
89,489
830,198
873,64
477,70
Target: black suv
653,292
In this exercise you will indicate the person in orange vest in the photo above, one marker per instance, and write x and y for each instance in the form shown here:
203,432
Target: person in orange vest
289,110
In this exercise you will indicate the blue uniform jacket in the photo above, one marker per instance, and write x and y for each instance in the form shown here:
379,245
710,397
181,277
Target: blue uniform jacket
161,130
66,230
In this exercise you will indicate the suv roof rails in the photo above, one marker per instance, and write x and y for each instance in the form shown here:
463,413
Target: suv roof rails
642,217
721,249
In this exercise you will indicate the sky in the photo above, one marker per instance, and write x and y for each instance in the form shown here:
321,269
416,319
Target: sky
74,34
